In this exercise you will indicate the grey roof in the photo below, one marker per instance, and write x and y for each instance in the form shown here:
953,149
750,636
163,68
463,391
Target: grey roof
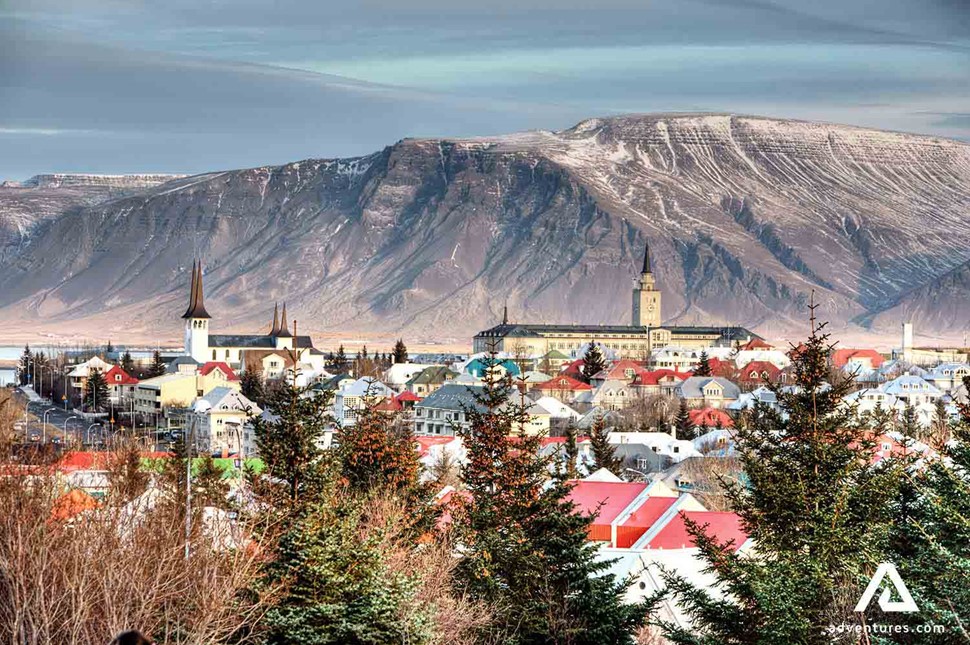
333,382
181,360
726,333
693,387
432,375
453,396
253,341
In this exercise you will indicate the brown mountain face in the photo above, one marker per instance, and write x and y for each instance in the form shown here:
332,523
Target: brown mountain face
427,238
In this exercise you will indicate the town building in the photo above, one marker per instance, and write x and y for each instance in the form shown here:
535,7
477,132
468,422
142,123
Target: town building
637,340
262,349
222,423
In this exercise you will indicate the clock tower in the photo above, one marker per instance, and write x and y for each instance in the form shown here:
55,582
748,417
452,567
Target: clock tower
646,297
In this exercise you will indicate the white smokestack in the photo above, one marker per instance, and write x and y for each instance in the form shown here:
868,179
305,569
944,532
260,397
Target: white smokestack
908,342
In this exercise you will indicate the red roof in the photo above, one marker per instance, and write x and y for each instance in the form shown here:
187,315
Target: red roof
657,376
721,525
608,499
563,382
619,370
720,367
573,369
425,443
756,344
112,376
759,369
222,367
630,530
710,418
841,357
407,396
389,405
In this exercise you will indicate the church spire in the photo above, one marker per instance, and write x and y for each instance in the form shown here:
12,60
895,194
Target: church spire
196,307
276,320
284,330
505,314
646,259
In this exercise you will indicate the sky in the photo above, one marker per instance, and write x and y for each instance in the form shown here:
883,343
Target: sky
120,86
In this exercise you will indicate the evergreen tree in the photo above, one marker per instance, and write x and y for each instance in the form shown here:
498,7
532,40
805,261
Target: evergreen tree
95,392
930,542
593,362
209,486
109,348
340,360
127,363
604,452
337,587
400,352
25,366
377,453
941,425
571,454
703,366
289,441
157,366
814,505
251,385
524,548
126,476
908,423
685,427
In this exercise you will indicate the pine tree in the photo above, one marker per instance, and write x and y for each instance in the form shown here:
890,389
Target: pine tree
685,427
25,366
251,385
400,351
127,363
157,366
95,392
703,365
908,423
109,348
340,360
571,454
209,486
593,362
815,507
941,425
377,453
289,441
930,541
126,476
603,452
524,548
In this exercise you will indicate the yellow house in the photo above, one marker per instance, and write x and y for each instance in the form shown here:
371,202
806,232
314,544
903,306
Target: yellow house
176,390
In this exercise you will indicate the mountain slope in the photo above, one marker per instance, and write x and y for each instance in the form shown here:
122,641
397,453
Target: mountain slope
745,217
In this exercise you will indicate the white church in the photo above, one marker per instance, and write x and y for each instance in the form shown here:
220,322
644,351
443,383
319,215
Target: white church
271,353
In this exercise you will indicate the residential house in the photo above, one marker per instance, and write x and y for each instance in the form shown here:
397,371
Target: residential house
398,375
676,359
563,387
121,385
756,373
912,390
613,503
444,411
222,422
712,391
498,370
428,380
946,377
78,376
349,400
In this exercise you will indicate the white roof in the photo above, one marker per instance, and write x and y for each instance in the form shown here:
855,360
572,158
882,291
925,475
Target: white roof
602,475
556,408
81,370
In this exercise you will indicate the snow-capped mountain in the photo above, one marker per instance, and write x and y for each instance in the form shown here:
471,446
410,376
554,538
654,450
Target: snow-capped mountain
745,217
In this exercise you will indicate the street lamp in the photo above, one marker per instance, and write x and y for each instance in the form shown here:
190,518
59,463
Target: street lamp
89,430
65,425
46,412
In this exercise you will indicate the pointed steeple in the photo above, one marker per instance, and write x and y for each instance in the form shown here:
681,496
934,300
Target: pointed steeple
646,259
284,330
276,320
196,307
505,314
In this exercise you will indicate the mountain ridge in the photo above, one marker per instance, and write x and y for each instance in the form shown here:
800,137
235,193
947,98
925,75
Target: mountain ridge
746,217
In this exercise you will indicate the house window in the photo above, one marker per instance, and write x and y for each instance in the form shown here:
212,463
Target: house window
213,354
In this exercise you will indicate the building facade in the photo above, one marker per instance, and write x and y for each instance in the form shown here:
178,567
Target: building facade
638,340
